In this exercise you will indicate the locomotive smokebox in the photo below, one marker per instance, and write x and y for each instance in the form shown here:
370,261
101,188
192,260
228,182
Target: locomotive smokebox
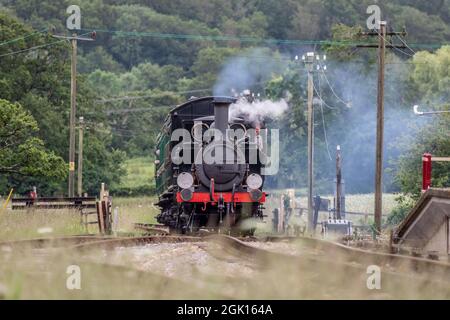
221,113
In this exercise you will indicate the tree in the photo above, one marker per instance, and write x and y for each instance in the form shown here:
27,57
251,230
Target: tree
429,82
21,153
39,80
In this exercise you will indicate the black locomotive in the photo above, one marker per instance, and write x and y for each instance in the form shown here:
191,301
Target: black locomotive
195,190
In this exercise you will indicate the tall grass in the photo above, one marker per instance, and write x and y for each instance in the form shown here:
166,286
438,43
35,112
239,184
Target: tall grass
22,224
139,172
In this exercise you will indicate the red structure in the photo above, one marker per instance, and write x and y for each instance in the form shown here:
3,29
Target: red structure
426,171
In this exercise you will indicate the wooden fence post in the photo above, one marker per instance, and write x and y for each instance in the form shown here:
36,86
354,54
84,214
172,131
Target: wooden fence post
101,223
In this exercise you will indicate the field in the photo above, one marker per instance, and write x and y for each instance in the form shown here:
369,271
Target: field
22,224
42,223
139,172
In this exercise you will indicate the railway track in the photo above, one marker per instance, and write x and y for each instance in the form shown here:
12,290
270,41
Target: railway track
319,260
242,246
330,261
398,261
335,253
152,228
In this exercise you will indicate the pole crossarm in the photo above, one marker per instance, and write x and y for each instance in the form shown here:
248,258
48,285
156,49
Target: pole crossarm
80,38
390,33
390,46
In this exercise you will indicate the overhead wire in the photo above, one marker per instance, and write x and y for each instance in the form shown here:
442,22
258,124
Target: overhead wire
331,87
404,42
32,48
126,98
199,37
323,122
119,111
392,44
35,47
23,37
324,103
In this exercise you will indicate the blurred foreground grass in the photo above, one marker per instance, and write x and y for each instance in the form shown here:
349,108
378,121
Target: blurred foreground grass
42,273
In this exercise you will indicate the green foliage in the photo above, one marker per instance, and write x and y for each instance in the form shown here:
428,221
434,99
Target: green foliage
399,213
138,179
98,59
158,67
40,82
21,153
429,80
344,33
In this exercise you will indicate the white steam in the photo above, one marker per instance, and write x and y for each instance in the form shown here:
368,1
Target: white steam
258,111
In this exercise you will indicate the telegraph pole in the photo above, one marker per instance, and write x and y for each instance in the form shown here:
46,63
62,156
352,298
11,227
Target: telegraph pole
309,60
338,182
73,104
381,34
310,149
73,110
380,129
80,157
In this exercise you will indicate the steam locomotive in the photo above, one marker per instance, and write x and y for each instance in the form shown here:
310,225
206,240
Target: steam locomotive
196,190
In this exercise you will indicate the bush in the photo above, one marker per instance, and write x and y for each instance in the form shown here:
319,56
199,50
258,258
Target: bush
399,213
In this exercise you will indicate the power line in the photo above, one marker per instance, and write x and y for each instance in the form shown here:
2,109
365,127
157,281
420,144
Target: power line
320,97
126,98
35,47
332,89
31,49
392,44
110,111
323,123
404,43
219,38
23,37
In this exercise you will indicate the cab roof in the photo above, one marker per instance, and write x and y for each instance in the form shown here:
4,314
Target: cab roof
215,99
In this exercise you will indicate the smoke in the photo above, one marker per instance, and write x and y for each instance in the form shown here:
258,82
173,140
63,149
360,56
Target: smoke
354,128
258,111
249,70
349,121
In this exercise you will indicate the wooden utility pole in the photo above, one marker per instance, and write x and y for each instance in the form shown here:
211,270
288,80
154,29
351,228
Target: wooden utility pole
80,157
338,182
73,110
309,59
380,128
310,150
381,34
73,105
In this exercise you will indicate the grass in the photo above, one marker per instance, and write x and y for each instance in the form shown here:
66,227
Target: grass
362,203
30,224
135,210
42,274
23,224
40,223
139,172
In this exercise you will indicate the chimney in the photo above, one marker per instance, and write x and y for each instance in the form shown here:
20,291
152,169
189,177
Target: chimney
221,114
